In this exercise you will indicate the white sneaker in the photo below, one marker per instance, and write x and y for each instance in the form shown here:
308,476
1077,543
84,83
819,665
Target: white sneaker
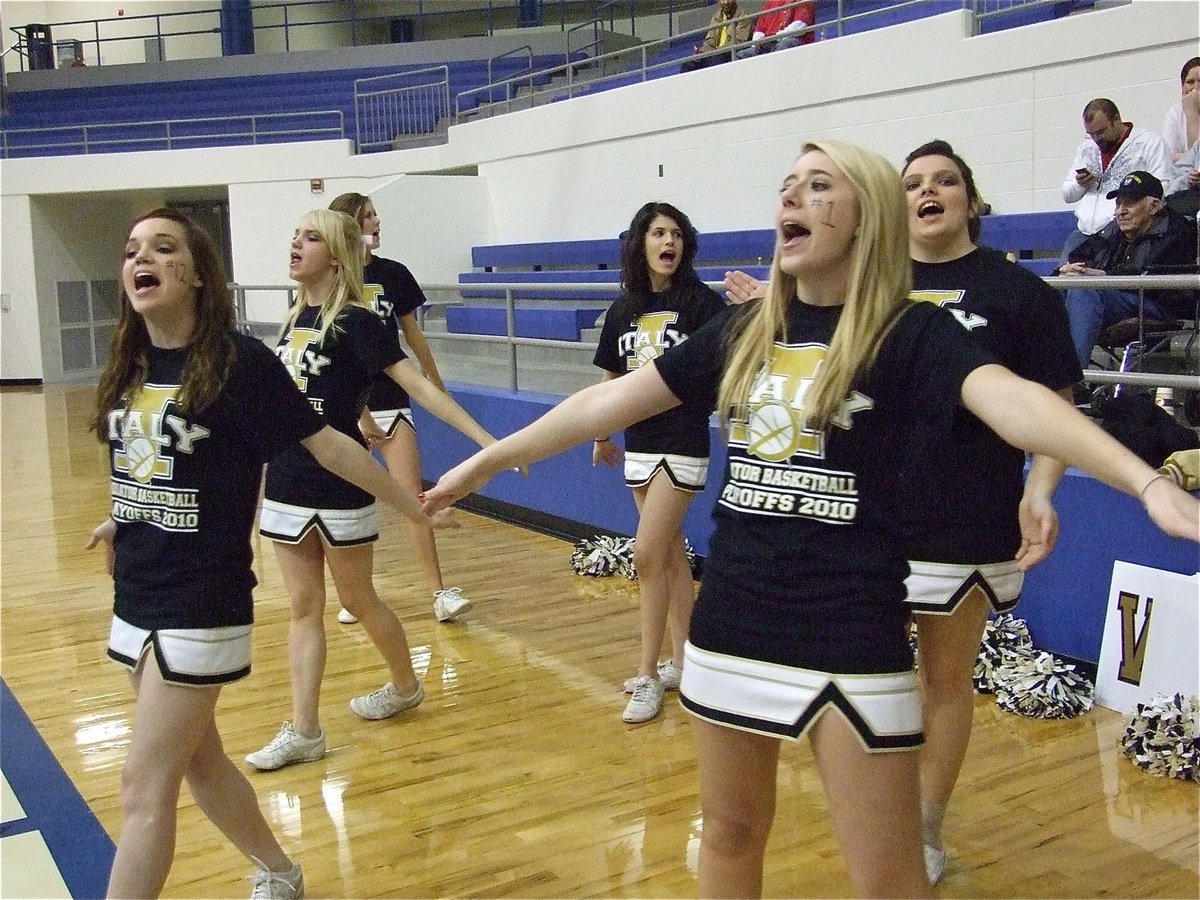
935,863
346,617
270,885
449,603
288,746
646,702
668,673
386,702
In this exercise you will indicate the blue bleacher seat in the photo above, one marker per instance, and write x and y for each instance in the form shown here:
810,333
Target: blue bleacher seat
551,323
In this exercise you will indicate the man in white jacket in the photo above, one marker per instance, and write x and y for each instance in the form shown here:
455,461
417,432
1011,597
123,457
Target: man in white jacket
1113,149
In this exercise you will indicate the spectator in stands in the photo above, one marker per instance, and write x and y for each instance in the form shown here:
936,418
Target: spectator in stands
387,421
1113,149
800,627
1143,235
721,35
666,457
1181,127
780,29
1182,192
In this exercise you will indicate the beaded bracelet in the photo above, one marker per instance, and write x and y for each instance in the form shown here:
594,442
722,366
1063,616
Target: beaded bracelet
1142,492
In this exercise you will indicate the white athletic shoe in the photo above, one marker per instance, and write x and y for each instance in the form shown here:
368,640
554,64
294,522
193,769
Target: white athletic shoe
386,702
646,702
288,746
270,885
935,864
668,673
449,604
346,617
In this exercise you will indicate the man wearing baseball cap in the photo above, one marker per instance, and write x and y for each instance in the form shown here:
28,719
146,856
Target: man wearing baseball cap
1143,235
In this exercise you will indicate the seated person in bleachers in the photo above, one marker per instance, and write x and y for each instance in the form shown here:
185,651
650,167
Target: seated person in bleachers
1143,234
1112,150
1181,125
780,29
1182,192
720,34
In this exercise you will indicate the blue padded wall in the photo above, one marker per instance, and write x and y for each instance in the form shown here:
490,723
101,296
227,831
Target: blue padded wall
1064,598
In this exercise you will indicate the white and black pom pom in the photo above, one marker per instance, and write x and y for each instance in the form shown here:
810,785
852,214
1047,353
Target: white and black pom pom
688,552
603,556
1002,634
1163,737
1041,686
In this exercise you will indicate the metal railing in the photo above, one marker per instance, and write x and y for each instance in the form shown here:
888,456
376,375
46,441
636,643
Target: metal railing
295,16
390,116
568,289
173,134
565,81
1141,284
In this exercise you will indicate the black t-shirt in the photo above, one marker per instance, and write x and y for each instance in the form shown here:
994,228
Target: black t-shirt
965,508
626,345
184,488
336,377
807,564
391,288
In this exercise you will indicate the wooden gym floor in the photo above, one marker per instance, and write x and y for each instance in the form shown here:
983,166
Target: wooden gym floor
516,777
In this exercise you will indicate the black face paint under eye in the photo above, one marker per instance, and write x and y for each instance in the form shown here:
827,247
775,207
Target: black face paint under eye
828,204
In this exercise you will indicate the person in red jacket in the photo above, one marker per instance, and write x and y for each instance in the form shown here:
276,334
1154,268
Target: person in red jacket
781,29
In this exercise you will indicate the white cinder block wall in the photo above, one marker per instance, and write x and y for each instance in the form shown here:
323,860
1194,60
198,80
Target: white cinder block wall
1010,103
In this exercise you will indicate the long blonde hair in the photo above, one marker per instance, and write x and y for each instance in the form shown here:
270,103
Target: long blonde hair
876,292
343,237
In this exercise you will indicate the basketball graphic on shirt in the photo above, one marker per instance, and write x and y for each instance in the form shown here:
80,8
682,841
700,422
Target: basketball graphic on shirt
645,354
771,431
141,456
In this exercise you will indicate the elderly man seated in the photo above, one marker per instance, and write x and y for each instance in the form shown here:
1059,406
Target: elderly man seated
1143,235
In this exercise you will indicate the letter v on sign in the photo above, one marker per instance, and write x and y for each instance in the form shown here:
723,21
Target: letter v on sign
1133,641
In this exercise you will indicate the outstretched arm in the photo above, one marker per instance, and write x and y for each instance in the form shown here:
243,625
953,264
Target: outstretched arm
438,402
600,409
1038,421
347,459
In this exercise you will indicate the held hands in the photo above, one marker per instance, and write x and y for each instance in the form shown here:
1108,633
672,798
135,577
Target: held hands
105,531
606,452
1085,178
443,519
464,478
740,287
375,436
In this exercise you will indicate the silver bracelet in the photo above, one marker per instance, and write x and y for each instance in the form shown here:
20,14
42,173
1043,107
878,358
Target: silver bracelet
1142,493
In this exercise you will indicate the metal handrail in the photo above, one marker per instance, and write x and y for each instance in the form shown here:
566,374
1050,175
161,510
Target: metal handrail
486,10
88,142
512,288
528,50
569,67
359,95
